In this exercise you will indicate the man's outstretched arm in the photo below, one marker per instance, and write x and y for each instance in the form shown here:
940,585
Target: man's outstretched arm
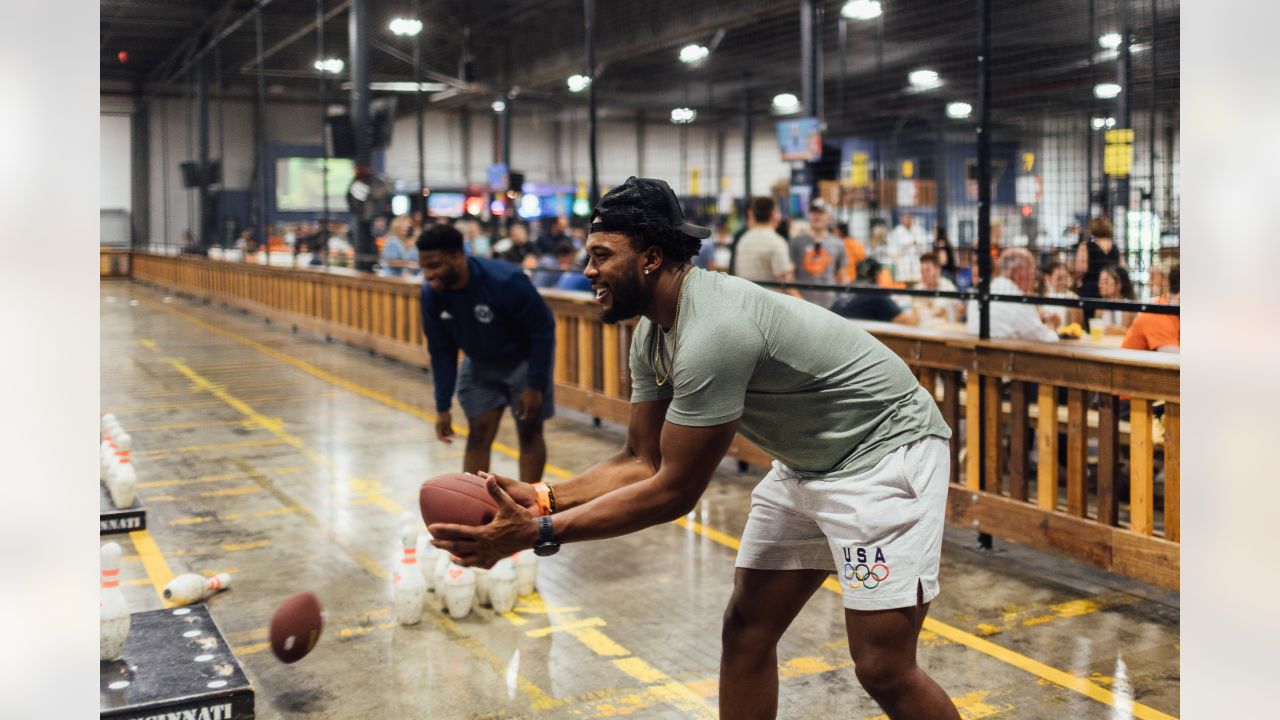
689,457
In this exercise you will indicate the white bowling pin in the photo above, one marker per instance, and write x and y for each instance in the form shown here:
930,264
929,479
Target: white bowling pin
526,571
106,419
122,483
190,587
459,590
502,585
112,608
106,458
123,442
427,559
482,586
410,588
442,566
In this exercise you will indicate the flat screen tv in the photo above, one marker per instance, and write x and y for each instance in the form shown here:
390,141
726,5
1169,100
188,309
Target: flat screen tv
446,204
299,181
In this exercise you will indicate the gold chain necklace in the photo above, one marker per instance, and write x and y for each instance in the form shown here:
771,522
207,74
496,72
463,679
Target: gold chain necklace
659,345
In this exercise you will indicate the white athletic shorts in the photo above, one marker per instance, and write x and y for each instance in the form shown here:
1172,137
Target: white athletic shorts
882,529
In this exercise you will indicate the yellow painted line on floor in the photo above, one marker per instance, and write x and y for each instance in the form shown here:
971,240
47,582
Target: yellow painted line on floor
153,561
220,477
233,492
161,452
242,650
986,647
370,393
972,706
567,627
370,488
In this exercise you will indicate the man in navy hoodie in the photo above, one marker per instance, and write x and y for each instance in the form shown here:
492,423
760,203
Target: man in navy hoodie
491,312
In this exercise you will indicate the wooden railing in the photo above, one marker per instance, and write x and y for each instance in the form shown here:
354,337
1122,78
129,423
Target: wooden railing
1042,405
113,262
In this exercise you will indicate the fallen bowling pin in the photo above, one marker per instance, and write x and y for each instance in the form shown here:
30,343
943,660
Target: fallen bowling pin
190,587
122,483
526,572
113,609
459,590
427,559
410,588
501,585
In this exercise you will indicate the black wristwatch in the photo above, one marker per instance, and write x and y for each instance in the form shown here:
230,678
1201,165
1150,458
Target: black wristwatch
548,543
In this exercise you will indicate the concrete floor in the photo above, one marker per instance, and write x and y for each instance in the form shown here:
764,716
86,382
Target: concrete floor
286,461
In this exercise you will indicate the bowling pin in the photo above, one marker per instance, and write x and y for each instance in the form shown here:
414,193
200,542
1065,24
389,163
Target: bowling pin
427,559
107,418
502,585
189,588
106,457
113,610
526,571
122,482
442,565
459,590
410,588
482,586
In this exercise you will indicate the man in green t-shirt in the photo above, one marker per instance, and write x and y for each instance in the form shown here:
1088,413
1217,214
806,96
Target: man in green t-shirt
858,487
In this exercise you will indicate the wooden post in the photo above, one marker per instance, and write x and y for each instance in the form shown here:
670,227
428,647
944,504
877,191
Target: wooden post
586,354
1108,458
951,413
1077,453
612,359
1047,448
973,436
991,460
1172,471
1141,479
563,330
1018,430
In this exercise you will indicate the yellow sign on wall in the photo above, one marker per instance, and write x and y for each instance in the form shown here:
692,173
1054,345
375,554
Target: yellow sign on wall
1117,160
859,170
695,181
1028,161
908,169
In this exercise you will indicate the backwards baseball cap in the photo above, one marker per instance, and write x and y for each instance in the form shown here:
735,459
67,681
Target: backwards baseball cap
640,202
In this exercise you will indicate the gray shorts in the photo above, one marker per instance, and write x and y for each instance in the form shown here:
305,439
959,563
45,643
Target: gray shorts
485,386
880,531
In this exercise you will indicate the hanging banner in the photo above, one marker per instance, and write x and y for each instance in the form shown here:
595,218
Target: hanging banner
1118,158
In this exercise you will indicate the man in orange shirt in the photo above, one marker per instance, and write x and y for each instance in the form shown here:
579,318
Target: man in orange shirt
1158,332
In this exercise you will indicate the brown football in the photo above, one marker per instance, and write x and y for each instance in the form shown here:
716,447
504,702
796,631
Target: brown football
295,627
456,498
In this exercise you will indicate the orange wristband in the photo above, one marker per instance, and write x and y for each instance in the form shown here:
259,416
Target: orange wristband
544,497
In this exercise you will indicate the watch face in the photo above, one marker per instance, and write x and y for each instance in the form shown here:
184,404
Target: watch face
545,549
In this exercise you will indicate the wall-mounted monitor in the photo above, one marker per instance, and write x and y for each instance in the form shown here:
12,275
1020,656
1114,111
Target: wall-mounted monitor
446,204
800,139
299,182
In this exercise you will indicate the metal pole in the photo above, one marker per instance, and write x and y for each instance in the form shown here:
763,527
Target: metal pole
984,169
588,14
164,167
222,151
358,33
260,135
321,249
640,143
1151,112
417,78
1124,120
203,238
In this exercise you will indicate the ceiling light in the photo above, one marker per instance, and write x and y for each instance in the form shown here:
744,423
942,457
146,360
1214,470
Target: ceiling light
1106,91
693,53
683,116
959,110
786,103
578,83
923,79
406,86
499,106
861,10
406,27
1100,122
330,65
1110,41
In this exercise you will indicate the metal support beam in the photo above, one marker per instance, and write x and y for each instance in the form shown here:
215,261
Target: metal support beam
140,171
322,235
984,169
1124,119
746,150
811,57
418,108
204,209
358,29
640,133
260,137
588,15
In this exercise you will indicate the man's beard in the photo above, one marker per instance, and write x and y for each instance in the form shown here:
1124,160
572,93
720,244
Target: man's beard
628,298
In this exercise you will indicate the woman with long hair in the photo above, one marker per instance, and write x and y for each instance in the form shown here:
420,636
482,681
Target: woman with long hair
1096,252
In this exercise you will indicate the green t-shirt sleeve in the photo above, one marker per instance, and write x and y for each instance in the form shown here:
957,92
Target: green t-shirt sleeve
644,385
711,375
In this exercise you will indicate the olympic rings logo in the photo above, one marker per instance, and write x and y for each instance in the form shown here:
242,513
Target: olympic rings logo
865,576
